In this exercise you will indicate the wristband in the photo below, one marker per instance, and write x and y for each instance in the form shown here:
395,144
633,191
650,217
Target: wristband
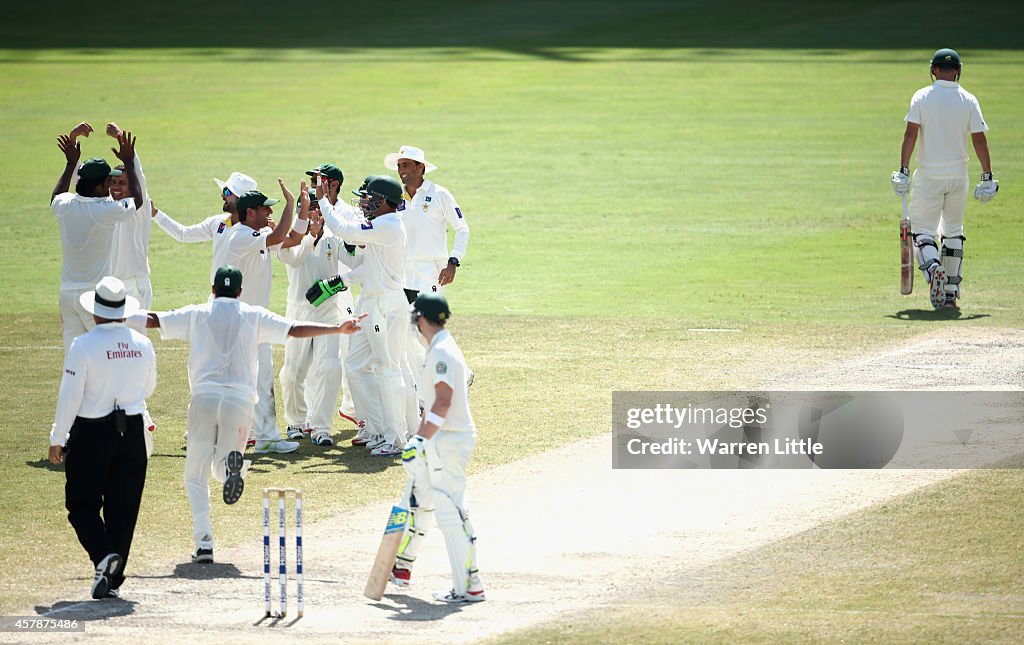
300,226
905,170
434,418
986,176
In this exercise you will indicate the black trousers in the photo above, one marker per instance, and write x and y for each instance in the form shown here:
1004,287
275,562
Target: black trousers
105,471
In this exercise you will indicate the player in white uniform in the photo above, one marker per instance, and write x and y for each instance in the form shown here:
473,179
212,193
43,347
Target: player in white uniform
248,247
313,296
87,219
944,115
437,457
374,358
224,335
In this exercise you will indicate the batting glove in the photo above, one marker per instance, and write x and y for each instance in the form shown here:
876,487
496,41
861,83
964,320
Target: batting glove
987,189
414,457
324,289
901,181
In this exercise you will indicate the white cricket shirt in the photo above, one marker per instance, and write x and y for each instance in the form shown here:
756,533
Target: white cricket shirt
86,237
307,263
215,227
110,365
445,364
384,237
426,217
948,114
246,249
225,336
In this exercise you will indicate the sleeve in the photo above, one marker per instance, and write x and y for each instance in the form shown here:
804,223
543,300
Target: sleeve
977,121
295,255
113,212
914,113
72,389
59,201
175,325
150,384
201,232
355,276
336,214
142,179
441,368
272,327
366,232
457,221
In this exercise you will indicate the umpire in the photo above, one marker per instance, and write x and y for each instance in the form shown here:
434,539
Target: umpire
99,435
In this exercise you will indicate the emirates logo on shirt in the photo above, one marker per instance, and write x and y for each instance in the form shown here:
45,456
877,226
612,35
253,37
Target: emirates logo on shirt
123,351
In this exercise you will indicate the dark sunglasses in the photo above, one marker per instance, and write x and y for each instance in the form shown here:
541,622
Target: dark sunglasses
226,192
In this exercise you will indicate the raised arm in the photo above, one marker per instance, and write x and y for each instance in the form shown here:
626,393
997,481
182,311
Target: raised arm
72,153
284,227
126,153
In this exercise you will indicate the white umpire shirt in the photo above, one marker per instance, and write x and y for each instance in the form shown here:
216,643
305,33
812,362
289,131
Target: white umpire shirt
216,227
224,336
445,364
948,114
307,263
87,237
109,366
246,249
384,237
427,216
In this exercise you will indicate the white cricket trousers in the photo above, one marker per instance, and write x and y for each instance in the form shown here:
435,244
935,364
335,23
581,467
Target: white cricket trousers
74,319
217,424
453,450
324,355
141,289
938,204
265,420
374,365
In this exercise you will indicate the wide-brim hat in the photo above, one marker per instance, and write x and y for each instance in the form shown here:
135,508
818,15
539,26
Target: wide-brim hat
109,300
408,152
238,183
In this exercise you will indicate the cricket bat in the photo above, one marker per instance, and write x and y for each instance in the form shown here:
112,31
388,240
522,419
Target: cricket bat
380,573
906,252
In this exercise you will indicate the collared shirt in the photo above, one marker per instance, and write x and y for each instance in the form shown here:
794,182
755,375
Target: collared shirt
383,270
427,216
948,114
445,364
307,263
224,335
215,227
86,237
246,249
109,366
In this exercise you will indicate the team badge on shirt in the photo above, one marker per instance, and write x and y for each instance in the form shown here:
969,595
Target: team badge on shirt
401,207
442,367
220,228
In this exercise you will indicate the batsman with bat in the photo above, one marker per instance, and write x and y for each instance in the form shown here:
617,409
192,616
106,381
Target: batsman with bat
436,459
944,116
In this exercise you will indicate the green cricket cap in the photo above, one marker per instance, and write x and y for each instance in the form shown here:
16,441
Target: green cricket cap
433,307
313,172
946,58
331,171
227,281
95,169
253,199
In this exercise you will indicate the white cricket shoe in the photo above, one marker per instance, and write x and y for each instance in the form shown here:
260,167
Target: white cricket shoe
280,446
321,438
294,432
363,436
386,450
204,551
453,598
937,280
375,441
400,576
109,568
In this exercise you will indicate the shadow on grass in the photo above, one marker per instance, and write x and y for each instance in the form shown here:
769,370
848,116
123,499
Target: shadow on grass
336,459
935,315
45,464
87,609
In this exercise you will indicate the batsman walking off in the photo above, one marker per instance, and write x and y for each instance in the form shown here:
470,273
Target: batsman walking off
944,116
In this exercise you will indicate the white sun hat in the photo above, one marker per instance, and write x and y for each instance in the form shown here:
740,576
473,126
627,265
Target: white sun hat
407,152
109,301
238,184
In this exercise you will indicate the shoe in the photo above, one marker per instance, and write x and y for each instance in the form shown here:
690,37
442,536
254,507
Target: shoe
203,556
362,437
937,290
351,419
459,598
233,482
386,450
400,576
149,424
280,446
108,567
951,302
111,594
321,438
250,443
294,432
375,441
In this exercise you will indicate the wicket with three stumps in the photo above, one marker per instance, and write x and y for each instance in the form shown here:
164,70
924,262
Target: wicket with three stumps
283,556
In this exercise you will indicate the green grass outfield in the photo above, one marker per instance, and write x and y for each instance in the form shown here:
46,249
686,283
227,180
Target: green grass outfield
664,170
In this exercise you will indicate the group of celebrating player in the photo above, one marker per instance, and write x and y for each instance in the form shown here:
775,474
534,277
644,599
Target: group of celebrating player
399,380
